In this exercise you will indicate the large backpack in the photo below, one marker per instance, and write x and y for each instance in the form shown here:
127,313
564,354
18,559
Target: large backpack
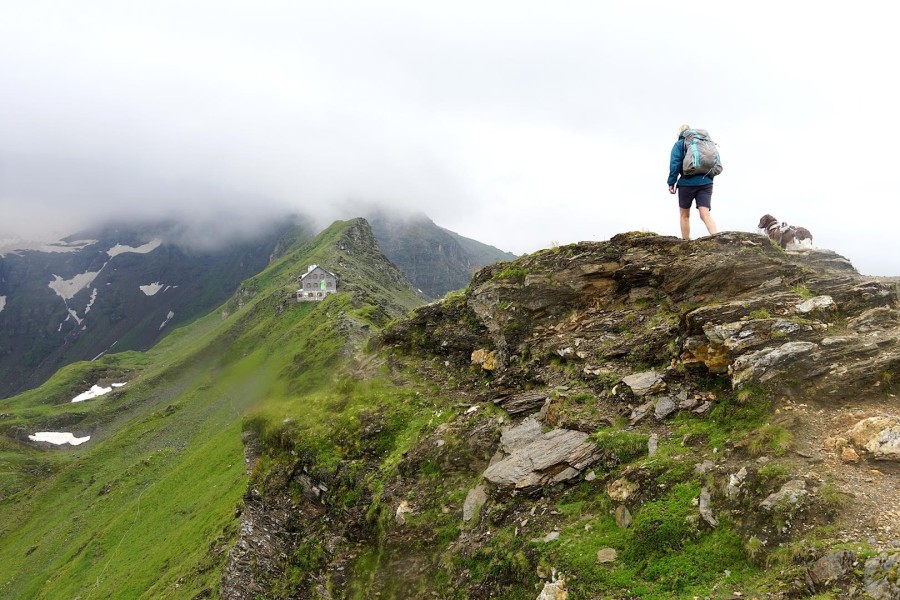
701,155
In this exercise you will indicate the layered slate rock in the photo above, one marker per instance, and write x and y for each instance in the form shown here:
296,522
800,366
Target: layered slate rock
729,304
880,575
523,403
644,383
556,456
831,568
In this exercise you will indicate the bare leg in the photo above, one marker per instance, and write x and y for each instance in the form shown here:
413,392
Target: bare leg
707,220
685,222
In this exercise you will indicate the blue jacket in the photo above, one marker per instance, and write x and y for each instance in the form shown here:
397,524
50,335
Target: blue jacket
675,167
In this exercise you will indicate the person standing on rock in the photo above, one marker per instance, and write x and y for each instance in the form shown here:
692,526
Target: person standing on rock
691,187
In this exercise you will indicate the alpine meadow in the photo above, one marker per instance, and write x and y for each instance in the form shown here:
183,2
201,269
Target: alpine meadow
645,417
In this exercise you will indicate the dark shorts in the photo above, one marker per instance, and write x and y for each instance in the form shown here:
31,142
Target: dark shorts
701,193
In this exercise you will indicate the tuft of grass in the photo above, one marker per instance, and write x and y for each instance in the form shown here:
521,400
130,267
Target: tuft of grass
754,546
733,416
773,474
803,291
833,499
583,399
771,437
514,274
620,445
662,526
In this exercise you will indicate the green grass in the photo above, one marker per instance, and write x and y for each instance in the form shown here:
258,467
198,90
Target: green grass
732,416
662,555
147,507
620,445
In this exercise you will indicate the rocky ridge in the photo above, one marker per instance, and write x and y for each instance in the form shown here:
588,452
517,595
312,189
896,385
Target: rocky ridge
617,407
640,324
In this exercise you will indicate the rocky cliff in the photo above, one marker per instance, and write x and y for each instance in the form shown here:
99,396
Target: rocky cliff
763,381
642,417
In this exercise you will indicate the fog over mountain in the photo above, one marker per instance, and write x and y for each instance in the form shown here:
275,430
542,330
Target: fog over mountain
519,124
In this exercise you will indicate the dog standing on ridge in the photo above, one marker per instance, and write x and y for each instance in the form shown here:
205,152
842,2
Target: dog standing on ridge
786,236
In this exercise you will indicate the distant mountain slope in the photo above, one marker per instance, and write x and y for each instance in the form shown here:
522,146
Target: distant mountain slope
645,417
124,286
115,288
148,505
434,259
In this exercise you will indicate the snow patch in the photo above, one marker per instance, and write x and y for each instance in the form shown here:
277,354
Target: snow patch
87,308
17,245
122,249
2,303
67,288
58,437
151,288
96,391
74,315
168,318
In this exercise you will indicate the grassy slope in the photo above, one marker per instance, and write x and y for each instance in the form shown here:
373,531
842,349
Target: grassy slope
147,507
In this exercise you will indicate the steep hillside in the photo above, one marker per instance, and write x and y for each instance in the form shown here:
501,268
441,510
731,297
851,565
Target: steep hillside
113,289
148,505
434,259
124,286
639,418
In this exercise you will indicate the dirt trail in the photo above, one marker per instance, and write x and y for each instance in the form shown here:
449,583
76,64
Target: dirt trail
873,511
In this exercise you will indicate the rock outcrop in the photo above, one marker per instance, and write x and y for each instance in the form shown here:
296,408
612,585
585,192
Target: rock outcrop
878,436
674,393
730,304
553,457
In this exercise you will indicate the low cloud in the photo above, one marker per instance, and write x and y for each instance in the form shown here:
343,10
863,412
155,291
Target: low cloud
519,124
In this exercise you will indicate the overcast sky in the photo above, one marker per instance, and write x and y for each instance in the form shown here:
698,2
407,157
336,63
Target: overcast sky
520,124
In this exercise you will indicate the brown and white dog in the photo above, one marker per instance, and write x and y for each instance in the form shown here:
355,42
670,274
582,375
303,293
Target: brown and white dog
786,236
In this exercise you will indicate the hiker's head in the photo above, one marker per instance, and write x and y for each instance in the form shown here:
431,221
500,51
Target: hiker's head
682,129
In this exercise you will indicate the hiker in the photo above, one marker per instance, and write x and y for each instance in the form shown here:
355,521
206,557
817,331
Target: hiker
693,186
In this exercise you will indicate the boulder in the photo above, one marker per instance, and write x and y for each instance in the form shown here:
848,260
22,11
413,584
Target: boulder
553,535
653,445
849,455
879,436
831,567
789,496
518,436
817,303
735,481
554,590
402,510
623,516
706,510
556,456
523,403
622,489
475,499
769,363
646,382
607,555
880,576
665,406
487,360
